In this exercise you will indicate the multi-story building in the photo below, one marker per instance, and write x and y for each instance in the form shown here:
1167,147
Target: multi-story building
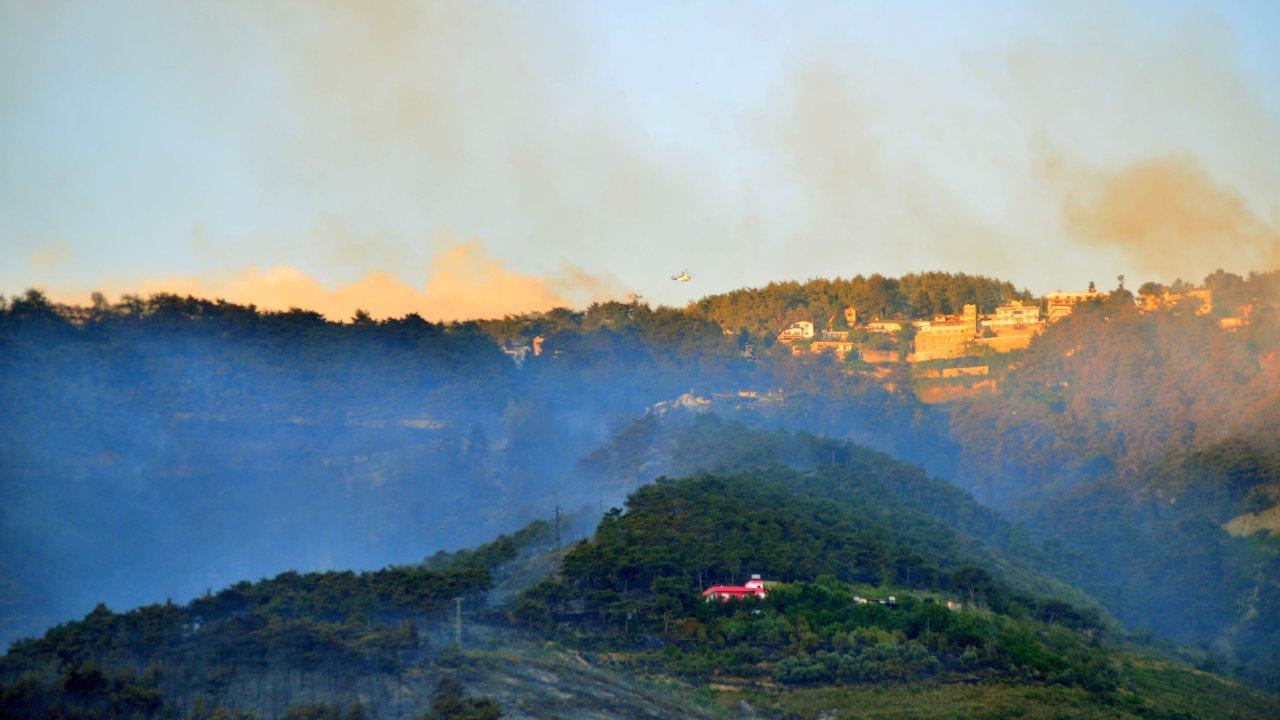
1011,327
800,330
945,336
883,328
1062,303
1013,314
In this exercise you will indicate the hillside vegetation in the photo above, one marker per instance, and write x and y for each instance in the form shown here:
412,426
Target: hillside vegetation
159,447
868,594
644,567
1132,441
257,442
761,312
877,604
331,639
1107,391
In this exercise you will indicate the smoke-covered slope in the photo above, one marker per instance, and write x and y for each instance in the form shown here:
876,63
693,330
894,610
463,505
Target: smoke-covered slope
1166,556
325,645
1133,441
872,591
161,447
1107,391
681,444
158,448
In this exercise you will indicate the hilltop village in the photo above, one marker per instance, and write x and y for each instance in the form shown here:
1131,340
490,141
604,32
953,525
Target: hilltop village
1010,327
952,356
896,332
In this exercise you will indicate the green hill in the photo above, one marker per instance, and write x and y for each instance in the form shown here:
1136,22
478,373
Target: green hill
877,606
1125,451
1164,556
856,476
870,597
1133,441
642,571
762,312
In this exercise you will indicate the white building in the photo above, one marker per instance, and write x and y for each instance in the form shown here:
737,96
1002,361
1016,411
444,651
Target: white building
801,330
1013,314
1062,303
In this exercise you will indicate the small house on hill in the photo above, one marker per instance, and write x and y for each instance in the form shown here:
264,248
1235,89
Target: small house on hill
755,587
799,330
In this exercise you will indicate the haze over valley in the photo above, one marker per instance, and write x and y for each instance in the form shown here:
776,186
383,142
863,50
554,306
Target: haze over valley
467,360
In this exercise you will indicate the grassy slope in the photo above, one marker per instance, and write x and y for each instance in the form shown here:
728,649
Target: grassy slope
1156,690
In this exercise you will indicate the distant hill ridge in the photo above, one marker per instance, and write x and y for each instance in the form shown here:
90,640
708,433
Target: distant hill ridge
157,447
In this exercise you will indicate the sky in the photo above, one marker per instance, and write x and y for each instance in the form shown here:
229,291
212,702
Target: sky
476,159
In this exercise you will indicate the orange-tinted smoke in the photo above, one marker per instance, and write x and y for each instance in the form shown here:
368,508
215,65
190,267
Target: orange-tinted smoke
1167,216
463,282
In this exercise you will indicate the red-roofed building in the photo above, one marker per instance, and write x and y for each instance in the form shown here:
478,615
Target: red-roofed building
755,587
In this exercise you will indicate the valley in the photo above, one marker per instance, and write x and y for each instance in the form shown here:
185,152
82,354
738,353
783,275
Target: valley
1103,473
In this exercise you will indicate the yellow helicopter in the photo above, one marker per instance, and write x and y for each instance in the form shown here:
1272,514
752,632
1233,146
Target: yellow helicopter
682,276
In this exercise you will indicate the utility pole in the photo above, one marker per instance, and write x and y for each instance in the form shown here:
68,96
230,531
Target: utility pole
457,622
557,528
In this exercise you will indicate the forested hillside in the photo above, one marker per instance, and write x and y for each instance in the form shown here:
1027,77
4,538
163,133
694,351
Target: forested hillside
1161,555
160,447
867,589
1108,390
762,312
684,445
1151,548
646,565
313,645
1133,440
871,595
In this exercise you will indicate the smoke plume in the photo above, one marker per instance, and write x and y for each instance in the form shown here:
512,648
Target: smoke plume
1166,215
461,282
745,144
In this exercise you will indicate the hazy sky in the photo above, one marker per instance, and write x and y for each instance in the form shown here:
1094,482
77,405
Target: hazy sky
477,158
